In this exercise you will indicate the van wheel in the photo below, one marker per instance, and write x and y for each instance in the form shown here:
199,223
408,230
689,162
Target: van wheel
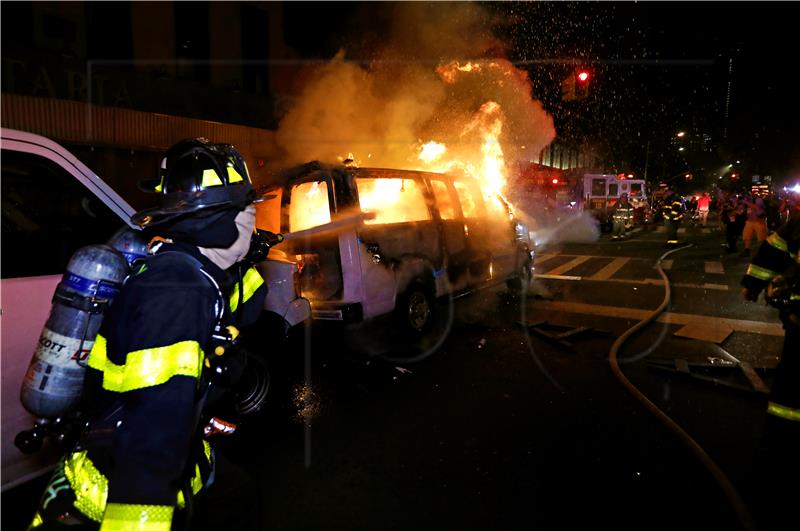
416,308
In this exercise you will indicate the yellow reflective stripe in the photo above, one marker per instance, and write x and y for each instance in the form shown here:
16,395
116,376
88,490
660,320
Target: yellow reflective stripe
148,367
88,484
210,178
129,517
160,185
234,176
98,355
760,272
778,242
252,281
37,521
91,486
784,412
197,481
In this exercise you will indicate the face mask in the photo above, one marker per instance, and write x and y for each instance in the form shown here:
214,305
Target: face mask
226,257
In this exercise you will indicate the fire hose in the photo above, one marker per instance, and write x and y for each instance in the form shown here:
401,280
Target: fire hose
721,478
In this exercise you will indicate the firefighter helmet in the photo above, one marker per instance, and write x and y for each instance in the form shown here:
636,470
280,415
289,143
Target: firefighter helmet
197,175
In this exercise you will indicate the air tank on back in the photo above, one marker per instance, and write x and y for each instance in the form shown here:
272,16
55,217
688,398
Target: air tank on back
54,380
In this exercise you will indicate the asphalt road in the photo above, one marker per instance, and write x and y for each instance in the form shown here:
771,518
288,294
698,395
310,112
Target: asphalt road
503,428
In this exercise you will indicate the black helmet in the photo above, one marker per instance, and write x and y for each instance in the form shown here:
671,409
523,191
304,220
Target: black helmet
197,175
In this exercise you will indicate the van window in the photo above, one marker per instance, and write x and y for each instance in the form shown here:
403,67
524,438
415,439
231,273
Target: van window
469,206
268,211
444,200
310,206
392,200
47,215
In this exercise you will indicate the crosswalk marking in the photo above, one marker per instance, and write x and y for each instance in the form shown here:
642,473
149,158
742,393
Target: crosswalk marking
563,268
609,270
737,325
714,267
544,258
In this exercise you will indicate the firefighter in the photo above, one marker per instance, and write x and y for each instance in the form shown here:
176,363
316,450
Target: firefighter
621,215
143,459
776,270
672,210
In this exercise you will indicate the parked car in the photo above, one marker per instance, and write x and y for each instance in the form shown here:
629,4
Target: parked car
420,237
52,205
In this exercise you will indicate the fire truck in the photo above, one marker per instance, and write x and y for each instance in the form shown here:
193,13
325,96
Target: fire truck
600,192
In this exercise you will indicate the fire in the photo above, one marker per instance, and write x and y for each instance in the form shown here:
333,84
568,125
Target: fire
449,72
477,125
309,206
489,167
431,151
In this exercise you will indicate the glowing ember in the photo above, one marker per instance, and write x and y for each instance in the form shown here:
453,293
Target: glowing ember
307,403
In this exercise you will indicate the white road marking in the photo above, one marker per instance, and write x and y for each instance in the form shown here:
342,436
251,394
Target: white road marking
609,270
666,265
563,268
715,267
737,325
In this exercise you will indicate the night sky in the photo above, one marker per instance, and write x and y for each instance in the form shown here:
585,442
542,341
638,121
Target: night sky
658,67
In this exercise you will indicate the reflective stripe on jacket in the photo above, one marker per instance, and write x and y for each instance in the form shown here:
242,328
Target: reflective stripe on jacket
247,296
672,209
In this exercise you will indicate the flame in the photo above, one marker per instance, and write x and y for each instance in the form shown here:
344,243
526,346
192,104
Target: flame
431,151
451,71
391,200
460,141
489,169
309,206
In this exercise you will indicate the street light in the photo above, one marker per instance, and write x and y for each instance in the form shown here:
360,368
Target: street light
680,134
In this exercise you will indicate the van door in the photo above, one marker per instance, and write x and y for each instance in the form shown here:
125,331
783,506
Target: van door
401,229
454,231
477,233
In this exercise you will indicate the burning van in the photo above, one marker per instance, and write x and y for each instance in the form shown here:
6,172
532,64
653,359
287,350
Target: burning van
384,242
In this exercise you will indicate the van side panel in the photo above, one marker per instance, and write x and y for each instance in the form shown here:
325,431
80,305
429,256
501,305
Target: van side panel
368,279
21,309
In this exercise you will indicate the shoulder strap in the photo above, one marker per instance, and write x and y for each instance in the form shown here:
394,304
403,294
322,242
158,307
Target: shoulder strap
219,304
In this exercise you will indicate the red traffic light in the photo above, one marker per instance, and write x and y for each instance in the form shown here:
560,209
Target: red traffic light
555,181
583,76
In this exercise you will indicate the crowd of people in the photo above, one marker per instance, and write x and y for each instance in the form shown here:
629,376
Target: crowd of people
745,216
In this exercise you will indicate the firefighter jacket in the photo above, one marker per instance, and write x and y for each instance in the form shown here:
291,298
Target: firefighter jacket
145,369
778,254
623,212
672,209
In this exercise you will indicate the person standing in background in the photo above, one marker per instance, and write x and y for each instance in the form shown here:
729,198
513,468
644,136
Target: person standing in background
703,205
756,222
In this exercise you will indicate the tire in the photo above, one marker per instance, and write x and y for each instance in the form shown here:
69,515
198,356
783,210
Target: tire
415,309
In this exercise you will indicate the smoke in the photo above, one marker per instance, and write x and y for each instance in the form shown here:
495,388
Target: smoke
415,88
